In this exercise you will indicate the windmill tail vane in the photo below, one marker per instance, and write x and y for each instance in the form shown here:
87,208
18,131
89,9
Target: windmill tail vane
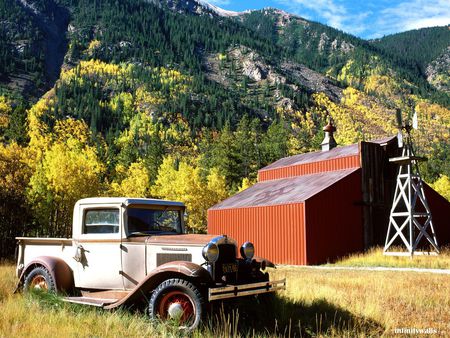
410,124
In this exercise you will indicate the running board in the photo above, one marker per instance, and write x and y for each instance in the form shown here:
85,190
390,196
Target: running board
98,302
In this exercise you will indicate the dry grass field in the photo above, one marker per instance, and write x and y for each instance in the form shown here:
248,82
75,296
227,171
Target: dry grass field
316,303
364,303
375,257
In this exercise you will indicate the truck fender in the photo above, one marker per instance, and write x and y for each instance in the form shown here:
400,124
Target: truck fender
177,269
62,274
268,263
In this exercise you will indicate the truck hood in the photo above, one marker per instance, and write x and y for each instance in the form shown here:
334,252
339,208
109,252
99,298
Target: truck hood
189,239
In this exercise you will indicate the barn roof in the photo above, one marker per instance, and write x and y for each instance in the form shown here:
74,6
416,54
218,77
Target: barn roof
283,191
317,156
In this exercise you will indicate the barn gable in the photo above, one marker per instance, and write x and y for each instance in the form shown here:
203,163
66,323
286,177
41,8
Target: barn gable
310,163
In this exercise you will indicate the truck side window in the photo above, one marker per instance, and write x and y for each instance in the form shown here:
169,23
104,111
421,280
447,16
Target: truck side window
101,221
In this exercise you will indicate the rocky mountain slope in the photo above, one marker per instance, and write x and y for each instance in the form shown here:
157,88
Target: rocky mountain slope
34,44
197,7
426,50
438,71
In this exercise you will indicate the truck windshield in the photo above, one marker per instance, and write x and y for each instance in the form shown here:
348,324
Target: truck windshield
142,221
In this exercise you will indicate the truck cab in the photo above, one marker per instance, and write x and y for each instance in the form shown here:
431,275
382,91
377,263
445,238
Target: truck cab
125,250
112,239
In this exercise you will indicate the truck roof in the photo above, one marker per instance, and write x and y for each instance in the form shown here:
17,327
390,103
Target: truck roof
128,201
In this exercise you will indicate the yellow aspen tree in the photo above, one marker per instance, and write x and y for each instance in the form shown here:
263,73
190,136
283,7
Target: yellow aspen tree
69,170
442,186
216,188
5,111
38,131
134,181
246,183
184,184
14,171
14,210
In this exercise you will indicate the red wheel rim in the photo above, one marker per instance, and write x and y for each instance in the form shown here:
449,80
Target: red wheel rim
39,282
177,297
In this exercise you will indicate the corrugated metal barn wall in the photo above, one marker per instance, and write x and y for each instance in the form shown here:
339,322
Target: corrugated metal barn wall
440,211
278,231
334,221
310,168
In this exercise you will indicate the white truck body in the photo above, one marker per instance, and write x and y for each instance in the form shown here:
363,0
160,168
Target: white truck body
113,261
126,251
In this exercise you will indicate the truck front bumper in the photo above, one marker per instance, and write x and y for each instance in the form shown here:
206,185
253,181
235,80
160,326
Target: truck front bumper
232,291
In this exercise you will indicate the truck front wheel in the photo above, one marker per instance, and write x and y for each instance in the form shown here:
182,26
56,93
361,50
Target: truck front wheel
39,279
178,300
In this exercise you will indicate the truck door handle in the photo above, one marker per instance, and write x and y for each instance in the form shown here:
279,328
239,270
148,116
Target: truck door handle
78,253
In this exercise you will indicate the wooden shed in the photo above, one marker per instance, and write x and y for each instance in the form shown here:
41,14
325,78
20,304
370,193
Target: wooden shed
315,207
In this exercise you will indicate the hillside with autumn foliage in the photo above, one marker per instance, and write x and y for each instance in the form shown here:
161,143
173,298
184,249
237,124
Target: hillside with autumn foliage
146,101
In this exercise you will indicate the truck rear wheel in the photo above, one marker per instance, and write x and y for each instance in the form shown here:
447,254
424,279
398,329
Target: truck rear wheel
39,279
178,300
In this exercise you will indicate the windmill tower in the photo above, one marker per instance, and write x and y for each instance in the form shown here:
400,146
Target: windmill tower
410,218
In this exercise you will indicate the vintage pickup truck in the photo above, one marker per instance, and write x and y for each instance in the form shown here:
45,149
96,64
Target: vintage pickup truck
128,251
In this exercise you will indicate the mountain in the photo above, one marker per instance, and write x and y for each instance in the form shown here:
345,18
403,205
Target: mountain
319,47
437,71
33,44
427,49
420,45
330,51
180,99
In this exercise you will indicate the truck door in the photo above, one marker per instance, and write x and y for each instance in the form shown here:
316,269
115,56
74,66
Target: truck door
98,245
144,223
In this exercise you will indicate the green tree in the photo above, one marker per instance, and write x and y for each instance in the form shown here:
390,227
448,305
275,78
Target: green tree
274,143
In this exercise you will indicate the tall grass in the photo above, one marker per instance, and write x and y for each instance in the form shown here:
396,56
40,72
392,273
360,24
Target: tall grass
375,257
376,302
316,303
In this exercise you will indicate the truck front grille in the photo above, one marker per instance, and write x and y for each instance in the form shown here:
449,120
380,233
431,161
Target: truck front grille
226,266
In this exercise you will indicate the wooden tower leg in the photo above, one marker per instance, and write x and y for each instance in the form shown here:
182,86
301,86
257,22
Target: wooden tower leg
410,210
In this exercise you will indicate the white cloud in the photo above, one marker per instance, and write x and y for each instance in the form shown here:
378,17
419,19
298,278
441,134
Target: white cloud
373,18
331,12
415,14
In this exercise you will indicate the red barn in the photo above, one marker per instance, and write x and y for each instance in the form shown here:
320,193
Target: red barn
315,207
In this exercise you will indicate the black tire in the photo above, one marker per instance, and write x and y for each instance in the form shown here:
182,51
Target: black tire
41,279
184,297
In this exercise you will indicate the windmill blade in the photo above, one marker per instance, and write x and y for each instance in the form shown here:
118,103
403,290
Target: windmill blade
415,123
400,139
398,114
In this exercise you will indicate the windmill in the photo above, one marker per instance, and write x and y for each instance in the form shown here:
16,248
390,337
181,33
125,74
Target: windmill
410,218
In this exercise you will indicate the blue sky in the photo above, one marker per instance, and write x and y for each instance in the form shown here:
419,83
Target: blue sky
367,19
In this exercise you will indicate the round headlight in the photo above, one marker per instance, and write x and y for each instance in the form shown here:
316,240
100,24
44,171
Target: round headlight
247,250
210,252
